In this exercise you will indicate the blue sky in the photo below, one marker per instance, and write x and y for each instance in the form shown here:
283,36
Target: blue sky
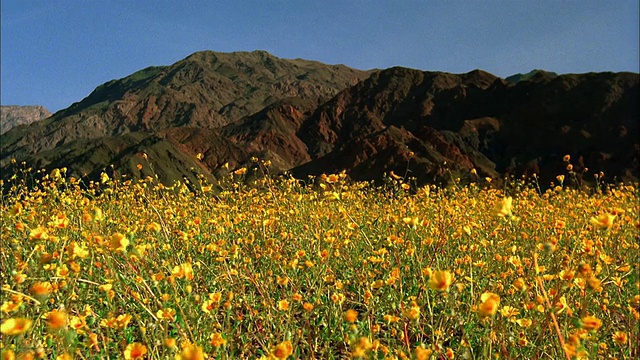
54,53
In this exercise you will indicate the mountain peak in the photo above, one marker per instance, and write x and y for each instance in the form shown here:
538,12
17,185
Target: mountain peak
533,75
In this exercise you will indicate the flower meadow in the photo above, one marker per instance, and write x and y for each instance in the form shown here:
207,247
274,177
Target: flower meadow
280,269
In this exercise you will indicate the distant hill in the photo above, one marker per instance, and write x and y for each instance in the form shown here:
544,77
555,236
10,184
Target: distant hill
14,115
533,74
213,112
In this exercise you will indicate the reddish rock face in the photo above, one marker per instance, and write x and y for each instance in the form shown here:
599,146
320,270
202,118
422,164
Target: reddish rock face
212,109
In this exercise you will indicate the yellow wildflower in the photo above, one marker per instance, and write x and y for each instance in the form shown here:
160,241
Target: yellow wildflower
217,340
422,353
489,304
183,271
283,305
591,323
191,352
503,208
135,351
603,220
15,326
282,350
41,289
440,280
57,319
118,242
351,315
620,337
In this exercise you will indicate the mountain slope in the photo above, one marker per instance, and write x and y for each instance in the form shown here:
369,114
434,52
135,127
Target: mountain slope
205,90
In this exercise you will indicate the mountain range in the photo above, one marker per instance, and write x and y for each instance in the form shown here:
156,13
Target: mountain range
15,115
212,113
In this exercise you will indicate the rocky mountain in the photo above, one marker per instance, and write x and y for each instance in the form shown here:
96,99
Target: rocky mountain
14,115
212,113
401,119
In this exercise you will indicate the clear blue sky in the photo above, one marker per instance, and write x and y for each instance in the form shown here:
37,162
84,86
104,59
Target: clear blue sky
55,52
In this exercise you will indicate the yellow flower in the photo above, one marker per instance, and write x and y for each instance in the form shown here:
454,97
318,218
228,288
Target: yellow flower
183,271
337,298
55,174
422,353
603,220
217,340
524,322
308,306
591,323
170,343
503,208
440,280
78,251
41,289
15,326
10,306
509,312
240,171
209,305
283,305
166,314
489,304
191,352
332,178
154,226
413,313
520,284
282,350
619,337
39,233
97,214
7,354
57,319
118,242
390,318
351,315
135,351
562,305
104,178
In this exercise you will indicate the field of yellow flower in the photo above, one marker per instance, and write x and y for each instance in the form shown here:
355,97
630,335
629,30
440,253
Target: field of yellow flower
330,270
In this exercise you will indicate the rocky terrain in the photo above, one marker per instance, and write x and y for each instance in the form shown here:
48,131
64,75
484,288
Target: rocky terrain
14,115
213,112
